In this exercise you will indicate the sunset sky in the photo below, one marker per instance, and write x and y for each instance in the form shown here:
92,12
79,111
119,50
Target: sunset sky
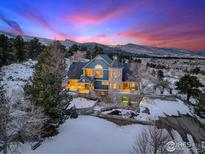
161,23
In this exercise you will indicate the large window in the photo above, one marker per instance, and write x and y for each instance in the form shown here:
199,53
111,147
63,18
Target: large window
114,86
132,85
125,85
98,73
89,72
125,100
110,74
73,82
105,83
98,66
98,70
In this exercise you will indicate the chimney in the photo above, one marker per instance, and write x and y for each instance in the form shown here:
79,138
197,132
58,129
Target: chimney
115,57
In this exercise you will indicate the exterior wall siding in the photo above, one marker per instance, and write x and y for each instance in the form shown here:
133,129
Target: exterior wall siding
103,64
95,62
98,85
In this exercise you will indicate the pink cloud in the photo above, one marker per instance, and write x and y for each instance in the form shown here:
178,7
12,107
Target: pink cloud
187,36
97,38
79,18
98,13
103,39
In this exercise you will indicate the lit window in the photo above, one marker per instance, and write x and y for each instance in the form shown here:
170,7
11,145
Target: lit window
102,93
125,100
89,72
105,83
125,85
98,73
98,70
132,85
111,85
114,86
98,66
119,86
110,74
73,81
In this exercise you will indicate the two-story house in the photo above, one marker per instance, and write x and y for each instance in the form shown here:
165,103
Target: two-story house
105,76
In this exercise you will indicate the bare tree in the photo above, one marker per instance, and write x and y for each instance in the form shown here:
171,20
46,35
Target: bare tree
17,126
113,97
55,61
79,55
162,85
151,140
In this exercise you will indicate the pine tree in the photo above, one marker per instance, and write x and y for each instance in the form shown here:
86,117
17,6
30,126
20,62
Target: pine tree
19,49
6,56
34,48
160,75
72,49
46,88
189,85
1,57
83,48
96,51
200,107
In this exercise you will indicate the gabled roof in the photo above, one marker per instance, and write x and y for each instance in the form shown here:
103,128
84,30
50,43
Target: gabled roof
103,56
106,58
75,70
116,64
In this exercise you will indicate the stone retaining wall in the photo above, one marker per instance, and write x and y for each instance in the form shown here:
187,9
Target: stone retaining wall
123,121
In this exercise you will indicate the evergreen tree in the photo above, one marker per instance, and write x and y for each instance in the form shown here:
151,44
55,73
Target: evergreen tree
73,49
19,48
1,57
153,73
83,48
34,48
160,75
111,55
6,56
96,51
195,70
46,88
200,107
189,85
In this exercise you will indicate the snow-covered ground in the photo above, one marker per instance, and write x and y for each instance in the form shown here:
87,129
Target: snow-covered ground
68,63
88,134
82,103
159,107
14,78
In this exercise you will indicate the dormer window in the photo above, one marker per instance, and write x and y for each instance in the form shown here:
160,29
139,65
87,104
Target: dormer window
98,71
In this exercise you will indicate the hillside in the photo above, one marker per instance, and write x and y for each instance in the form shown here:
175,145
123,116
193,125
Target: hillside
154,51
128,49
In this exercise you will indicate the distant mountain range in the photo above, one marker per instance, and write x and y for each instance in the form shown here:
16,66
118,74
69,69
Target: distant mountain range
128,49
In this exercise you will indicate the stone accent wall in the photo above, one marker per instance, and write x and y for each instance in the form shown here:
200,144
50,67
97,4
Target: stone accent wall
115,79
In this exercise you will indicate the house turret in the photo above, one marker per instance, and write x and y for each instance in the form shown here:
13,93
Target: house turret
115,75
